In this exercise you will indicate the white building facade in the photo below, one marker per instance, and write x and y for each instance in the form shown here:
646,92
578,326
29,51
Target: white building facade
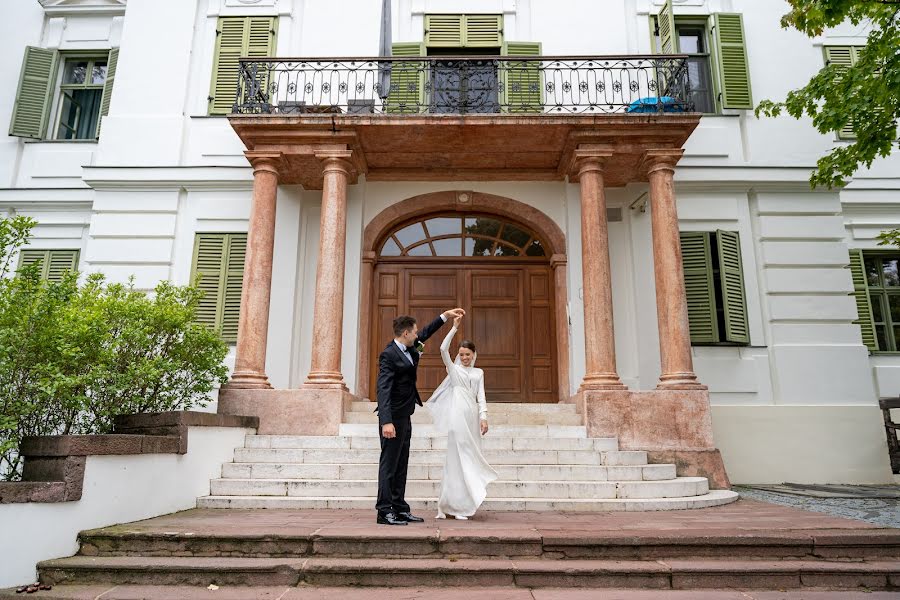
128,166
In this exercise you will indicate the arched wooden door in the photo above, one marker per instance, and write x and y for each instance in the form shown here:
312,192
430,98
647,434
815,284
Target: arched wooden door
499,272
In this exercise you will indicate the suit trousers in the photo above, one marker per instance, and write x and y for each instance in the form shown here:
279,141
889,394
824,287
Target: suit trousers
392,468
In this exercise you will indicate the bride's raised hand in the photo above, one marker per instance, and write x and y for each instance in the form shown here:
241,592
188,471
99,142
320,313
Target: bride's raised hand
457,321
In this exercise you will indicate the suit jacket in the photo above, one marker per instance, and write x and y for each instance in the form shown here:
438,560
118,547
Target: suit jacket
397,393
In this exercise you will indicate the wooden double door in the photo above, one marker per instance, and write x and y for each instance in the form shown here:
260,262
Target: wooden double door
510,318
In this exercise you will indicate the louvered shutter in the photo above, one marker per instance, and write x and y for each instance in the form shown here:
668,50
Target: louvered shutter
111,64
483,31
696,258
731,276
233,284
29,114
444,31
863,301
665,21
209,262
731,54
522,83
53,263
251,37
407,92
843,57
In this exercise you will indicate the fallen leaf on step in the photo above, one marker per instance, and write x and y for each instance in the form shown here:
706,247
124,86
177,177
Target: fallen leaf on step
212,587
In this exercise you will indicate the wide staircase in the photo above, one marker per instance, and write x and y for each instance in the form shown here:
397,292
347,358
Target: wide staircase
544,458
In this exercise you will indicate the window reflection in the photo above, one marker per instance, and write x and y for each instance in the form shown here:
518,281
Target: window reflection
891,275
410,234
462,236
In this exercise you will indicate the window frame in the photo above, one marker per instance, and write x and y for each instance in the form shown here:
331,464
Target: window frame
881,294
703,23
48,261
91,56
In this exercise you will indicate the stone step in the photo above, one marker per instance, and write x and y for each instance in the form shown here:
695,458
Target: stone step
498,430
681,487
276,540
500,418
493,408
653,472
432,442
480,573
713,498
436,457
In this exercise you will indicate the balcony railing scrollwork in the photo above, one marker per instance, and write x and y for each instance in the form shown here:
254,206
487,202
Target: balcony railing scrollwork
464,85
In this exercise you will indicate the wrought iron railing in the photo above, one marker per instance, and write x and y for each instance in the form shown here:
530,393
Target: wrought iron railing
464,85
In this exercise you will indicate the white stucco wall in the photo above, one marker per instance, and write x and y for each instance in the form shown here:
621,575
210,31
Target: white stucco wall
117,489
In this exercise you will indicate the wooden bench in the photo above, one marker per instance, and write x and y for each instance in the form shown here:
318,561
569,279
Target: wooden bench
891,429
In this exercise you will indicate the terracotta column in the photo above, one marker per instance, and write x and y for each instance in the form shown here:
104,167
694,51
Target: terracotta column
677,368
558,263
253,324
328,313
599,338
365,323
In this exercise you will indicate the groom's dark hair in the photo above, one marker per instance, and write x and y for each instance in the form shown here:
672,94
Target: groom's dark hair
402,323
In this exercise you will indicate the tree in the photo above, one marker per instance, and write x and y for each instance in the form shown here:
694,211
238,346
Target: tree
864,96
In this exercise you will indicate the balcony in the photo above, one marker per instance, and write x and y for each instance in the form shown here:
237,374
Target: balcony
463,118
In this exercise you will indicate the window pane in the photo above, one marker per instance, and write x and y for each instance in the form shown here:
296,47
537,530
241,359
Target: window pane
444,226
877,309
448,246
98,73
891,275
872,269
90,114
504,250
482,226
894,303
690,41
69,114
535,249
881,335
423,250
390,248
411,234
896,337
514,235
75,71
478,247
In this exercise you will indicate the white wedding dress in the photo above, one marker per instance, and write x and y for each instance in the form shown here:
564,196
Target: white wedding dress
457,407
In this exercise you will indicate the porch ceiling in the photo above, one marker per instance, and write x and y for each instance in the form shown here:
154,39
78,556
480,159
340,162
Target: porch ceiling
461,147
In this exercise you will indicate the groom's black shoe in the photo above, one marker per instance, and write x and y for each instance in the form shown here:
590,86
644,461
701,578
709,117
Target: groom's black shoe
410,518
390,518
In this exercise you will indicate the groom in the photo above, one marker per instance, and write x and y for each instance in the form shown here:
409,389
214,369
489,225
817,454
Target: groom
397,399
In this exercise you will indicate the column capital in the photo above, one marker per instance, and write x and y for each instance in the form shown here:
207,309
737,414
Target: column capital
558,260
265,161
368,257
589,158
661,159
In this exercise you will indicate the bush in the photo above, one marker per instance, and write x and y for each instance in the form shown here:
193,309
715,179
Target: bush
75,355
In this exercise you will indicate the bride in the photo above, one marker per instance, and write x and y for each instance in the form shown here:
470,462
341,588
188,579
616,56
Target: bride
459,409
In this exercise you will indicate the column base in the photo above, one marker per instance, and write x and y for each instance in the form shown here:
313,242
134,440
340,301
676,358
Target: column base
679,381
602,381
248,380
325,380
305,411
677,422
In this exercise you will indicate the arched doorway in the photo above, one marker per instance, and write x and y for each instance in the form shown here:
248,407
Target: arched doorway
495,257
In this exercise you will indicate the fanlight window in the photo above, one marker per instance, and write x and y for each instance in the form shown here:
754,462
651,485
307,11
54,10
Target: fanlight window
453,235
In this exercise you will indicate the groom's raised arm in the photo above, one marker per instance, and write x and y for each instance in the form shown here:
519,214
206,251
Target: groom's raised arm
383,389
430,329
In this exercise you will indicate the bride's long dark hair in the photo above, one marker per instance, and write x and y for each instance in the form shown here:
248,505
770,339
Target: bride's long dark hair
467,344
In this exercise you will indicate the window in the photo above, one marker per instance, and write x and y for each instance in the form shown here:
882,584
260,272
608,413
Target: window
456,235
714,285
236,37
219,263
51,263
876,287
718,70
71,92
844,57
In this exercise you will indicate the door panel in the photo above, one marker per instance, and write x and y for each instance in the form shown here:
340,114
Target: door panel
510,319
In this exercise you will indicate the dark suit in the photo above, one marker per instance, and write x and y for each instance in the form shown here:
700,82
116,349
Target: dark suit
397,399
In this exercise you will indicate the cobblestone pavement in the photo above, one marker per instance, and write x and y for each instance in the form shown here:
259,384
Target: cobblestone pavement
883,512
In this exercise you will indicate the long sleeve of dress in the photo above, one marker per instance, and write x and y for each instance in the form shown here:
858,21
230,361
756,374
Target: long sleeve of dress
448,362
482,401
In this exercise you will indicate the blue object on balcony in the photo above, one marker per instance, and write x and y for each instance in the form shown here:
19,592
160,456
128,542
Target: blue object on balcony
651,104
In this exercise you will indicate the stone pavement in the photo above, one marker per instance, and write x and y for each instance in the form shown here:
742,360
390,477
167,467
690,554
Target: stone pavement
883,511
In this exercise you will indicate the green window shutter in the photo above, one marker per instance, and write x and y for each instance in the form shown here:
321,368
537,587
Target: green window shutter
444,31
53,263
234,280
843,57
219,263
252,37
483,31
522,83
696,258
407,93
731,275
863,302
111,64
665,21
29,115
731,59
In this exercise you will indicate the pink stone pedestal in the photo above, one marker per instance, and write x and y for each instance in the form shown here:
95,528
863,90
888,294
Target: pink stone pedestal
306,411
673,426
